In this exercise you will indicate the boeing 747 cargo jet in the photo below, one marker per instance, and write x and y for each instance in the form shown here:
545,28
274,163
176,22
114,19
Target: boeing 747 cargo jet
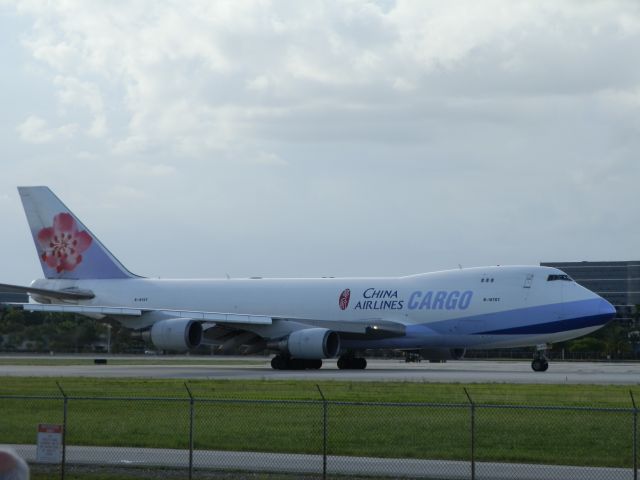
306,320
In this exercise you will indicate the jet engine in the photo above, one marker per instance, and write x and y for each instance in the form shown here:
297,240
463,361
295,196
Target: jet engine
310,343
442,354
179,334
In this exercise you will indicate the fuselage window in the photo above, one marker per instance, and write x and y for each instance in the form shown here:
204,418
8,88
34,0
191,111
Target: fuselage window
553,278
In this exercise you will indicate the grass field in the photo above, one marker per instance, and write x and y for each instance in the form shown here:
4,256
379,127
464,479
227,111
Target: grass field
370,419
395,392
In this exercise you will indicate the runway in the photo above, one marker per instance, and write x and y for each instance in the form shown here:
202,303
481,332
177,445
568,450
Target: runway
257,368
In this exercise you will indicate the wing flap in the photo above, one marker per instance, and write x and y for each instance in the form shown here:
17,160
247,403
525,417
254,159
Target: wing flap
369,327
217,317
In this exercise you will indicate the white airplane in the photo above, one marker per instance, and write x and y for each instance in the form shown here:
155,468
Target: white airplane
305,320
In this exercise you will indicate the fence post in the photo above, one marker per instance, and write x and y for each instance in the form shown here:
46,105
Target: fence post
473,434
64,430
191,408
324,433
635,437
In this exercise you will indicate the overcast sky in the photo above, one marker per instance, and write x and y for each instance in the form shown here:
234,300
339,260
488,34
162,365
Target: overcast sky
310,138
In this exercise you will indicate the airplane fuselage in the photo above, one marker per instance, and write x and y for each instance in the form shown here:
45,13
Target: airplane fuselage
487,307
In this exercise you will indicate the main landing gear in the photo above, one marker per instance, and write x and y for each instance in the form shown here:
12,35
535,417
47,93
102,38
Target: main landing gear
540,362
349,362
282,362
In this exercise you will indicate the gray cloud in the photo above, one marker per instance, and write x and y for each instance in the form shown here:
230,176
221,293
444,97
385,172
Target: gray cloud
318,138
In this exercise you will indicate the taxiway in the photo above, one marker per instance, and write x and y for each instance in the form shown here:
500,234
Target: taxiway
461,371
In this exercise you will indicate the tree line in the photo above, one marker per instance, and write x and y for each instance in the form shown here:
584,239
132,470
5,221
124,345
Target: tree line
22,331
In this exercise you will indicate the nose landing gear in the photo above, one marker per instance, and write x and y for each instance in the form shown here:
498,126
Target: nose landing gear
540,362
540,365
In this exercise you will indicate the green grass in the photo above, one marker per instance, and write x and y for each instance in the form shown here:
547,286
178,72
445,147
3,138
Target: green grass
494,393
365,427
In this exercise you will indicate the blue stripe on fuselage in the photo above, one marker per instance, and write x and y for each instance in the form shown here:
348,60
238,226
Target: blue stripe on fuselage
552,327
530,320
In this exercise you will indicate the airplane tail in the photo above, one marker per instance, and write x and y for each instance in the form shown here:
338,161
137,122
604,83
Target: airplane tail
66,248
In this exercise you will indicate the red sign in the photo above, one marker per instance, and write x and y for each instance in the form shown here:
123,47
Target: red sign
49,448
49,428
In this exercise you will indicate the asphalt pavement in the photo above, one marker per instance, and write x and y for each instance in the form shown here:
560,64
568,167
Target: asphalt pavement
459,371
336,465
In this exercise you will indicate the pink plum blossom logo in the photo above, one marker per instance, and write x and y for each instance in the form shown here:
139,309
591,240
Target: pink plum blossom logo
343,301
63,244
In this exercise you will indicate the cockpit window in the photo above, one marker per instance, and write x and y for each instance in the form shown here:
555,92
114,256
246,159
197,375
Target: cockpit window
553,278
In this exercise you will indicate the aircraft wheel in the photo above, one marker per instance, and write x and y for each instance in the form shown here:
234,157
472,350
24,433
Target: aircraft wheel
540,362
315,364
539,365
275,363
352,363
297,364
343,363
280,363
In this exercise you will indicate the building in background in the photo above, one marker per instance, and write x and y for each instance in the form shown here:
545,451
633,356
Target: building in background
618,282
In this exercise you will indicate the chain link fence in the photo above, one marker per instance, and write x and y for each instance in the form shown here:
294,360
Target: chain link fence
203,438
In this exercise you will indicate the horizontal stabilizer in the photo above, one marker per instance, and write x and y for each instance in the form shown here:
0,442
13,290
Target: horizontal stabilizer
43,292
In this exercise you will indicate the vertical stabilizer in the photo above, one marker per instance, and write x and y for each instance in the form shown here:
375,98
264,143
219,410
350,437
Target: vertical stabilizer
66,248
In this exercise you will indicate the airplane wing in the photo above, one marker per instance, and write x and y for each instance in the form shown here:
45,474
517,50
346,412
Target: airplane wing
368,327
214,317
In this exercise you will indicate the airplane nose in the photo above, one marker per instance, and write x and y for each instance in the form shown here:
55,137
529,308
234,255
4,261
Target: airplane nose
607,310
